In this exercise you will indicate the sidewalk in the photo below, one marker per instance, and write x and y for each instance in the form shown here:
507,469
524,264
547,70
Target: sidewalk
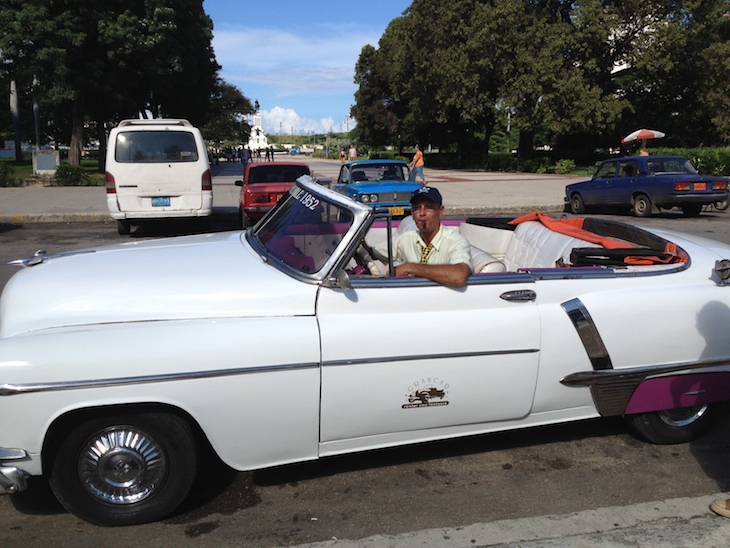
675,523
466,193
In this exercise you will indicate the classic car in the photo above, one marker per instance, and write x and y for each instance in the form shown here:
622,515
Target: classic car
385,185
120,364
647,184
263,184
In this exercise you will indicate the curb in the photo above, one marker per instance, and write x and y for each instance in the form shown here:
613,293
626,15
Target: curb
231,213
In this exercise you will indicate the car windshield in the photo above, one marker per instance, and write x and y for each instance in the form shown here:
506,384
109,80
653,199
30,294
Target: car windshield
380,172
670,165
304,230
276,174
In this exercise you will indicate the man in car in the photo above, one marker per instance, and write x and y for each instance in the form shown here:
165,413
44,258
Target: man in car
433,251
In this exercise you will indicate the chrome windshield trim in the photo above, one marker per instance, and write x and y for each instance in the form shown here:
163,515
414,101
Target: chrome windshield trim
16,389
421,357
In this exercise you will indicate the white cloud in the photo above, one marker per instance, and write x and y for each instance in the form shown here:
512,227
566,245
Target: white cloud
286,120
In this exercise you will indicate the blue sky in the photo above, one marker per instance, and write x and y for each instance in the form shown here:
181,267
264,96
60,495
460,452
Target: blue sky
297,58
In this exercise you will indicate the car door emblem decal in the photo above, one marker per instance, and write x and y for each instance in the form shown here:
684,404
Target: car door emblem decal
428,392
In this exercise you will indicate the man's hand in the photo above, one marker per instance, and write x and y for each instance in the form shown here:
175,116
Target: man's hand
452,275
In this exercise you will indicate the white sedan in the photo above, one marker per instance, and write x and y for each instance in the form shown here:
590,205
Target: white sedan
286,343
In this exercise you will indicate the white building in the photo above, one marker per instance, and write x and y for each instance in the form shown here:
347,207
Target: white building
257,140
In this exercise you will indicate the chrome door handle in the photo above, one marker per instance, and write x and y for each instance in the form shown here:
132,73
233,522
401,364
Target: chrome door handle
521,295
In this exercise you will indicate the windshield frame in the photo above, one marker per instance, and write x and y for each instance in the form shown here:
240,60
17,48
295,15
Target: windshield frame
299,196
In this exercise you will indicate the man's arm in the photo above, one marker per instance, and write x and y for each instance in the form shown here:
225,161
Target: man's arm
452,275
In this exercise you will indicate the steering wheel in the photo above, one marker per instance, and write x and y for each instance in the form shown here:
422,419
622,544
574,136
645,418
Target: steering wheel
365,260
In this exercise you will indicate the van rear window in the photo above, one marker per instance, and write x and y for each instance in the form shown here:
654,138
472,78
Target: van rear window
155,147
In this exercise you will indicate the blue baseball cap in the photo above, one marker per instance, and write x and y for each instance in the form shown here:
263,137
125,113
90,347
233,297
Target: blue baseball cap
429,193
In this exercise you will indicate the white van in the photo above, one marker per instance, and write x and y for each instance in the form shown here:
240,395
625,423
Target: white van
157,169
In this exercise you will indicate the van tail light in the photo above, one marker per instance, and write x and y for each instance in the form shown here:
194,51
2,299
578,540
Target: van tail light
682,186
719,186
207,181
111,188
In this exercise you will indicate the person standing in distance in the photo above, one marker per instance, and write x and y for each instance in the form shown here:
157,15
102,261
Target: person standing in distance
417,165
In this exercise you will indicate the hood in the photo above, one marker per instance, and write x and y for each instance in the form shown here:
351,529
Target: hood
189,277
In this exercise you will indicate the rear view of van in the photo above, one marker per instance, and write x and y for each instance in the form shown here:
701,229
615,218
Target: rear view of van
157,169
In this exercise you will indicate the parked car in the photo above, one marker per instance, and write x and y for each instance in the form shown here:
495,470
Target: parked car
263,184
119,364
647,184
157,169
385,185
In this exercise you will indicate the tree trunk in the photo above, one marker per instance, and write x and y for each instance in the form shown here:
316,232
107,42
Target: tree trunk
101,134
77,132
15,113
524,149
36,114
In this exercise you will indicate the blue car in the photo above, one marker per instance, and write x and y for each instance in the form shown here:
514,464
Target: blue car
385,185
647,184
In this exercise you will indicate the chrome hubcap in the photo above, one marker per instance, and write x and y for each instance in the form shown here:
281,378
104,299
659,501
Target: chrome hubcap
121,465
683,416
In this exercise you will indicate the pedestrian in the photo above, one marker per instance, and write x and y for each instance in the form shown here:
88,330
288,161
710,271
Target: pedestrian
266,155
244,157
353,153
272,153
417,165
343,156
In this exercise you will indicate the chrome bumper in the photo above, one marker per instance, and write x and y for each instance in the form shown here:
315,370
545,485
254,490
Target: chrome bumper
12,480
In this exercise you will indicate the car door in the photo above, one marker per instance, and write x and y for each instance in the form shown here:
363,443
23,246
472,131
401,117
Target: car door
603,185
402,361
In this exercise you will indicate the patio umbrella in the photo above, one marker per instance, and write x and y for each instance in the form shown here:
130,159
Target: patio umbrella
642,135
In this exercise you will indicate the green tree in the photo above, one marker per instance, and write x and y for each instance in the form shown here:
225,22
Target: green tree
105,61
227,115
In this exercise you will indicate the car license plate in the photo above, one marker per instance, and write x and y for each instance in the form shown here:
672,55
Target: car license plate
396,211
700,186
160,201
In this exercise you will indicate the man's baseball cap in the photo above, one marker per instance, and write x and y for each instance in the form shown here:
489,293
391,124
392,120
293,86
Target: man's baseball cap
429,193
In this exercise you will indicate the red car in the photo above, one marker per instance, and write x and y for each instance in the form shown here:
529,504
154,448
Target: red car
263,184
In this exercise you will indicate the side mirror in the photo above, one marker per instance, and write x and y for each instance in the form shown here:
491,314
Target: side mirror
238,183
341,280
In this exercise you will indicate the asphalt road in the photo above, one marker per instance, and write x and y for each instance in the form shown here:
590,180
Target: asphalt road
552,470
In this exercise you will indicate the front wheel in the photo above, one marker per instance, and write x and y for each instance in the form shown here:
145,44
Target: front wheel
674,425
125,469
576,204
642,206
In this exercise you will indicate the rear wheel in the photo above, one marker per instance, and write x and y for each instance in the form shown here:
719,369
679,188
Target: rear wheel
576,204
674,425
125,469
692,210
722,206
642,206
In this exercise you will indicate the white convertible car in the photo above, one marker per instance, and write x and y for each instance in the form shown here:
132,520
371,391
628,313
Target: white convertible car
286,343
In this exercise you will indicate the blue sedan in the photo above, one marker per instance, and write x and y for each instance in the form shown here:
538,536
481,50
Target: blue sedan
385,185
647,184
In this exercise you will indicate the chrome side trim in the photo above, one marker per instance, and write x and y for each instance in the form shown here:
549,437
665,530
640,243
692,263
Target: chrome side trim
612,388
12,454
386,359
15,389
588,333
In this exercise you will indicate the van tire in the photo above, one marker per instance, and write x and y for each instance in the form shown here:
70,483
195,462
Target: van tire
124,227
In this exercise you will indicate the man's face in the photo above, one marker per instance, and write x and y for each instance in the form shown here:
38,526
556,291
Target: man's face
427,215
